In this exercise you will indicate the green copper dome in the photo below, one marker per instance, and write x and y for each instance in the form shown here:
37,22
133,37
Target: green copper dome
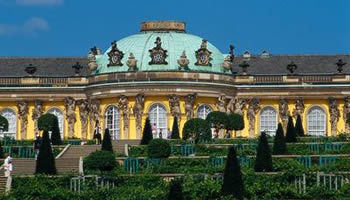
173,40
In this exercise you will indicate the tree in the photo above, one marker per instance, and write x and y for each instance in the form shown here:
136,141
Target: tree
291,135
147,133
217,118
233,183
175,131
279,143
4,124
107,143
56,134
158,148
175,191
197,129
235,122
263,162
299,127
45,164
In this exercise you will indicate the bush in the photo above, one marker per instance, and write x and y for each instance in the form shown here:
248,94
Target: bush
279,144
4,124
49,122
158,148
100,160
299,127
107,143
233,183
175,131
217,118
263,162
56,135
291,135
197,129
45,164
175,191
147,133
234,122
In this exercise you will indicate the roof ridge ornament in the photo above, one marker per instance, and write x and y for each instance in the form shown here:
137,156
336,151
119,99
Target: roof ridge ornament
131,62
92,58
292,67
158,54
77,68
183,61
31,69
228,61
203,55
340,65
115,56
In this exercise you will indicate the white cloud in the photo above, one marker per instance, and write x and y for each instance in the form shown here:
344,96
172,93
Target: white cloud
39,2
29,27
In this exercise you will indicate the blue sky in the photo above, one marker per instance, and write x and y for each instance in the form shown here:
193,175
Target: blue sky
71,27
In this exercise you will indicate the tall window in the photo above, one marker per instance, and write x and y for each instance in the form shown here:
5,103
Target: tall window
112,121
11,117
203,111
268,120
59,114
158,116
316,121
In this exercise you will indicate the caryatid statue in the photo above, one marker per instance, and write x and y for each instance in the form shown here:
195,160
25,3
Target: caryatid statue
284,113
84,115
22,107
138,112
189,104
94,112
174,102
36,114
346,112
299,108
334,115
221,103
253,109
123,104
69,104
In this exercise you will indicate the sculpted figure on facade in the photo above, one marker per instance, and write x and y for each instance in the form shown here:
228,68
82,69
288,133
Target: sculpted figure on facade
138,112
69,104
92,58
239,105
253,109
174,102
334,114
123,105
221,103
95,110
299,108
346,112
189,104
36,114
22,107
284,113
83,112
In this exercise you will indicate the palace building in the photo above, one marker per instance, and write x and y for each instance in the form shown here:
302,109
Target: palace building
164,72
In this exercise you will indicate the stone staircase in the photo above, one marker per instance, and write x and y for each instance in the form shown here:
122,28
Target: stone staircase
119,145
77,151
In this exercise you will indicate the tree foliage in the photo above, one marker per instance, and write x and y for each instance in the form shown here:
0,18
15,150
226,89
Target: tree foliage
147,133
279,144
263,162
56,134
45,163
234,121
233,183
175,131
107,143
175,191
100,160
217,118
197,129
291,135
49,122
299,127
158,148
4,124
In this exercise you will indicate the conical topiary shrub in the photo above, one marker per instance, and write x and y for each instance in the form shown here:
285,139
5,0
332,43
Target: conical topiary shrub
233,183
175,134
299,127
263,162
56,135
291,135
175,191
107,143
45,164
279,144
147,133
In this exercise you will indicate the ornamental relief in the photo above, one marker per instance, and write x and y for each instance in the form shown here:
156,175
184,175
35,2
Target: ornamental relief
158,54
115,56
203,55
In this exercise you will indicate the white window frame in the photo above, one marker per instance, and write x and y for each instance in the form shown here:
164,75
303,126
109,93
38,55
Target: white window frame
316,121
12,120
268,122
158,112
113,125
203,110
60,116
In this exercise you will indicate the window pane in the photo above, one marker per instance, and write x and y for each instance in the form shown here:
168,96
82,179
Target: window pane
58,113
268,120
11,117
316,121
158,117
112,121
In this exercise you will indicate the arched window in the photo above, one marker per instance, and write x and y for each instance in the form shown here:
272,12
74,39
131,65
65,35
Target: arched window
268,120
11,117
158,116
203,111
112,121
59,114
316,121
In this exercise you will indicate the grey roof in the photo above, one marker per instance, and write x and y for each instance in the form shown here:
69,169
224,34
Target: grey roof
306,64
46,66
275,64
